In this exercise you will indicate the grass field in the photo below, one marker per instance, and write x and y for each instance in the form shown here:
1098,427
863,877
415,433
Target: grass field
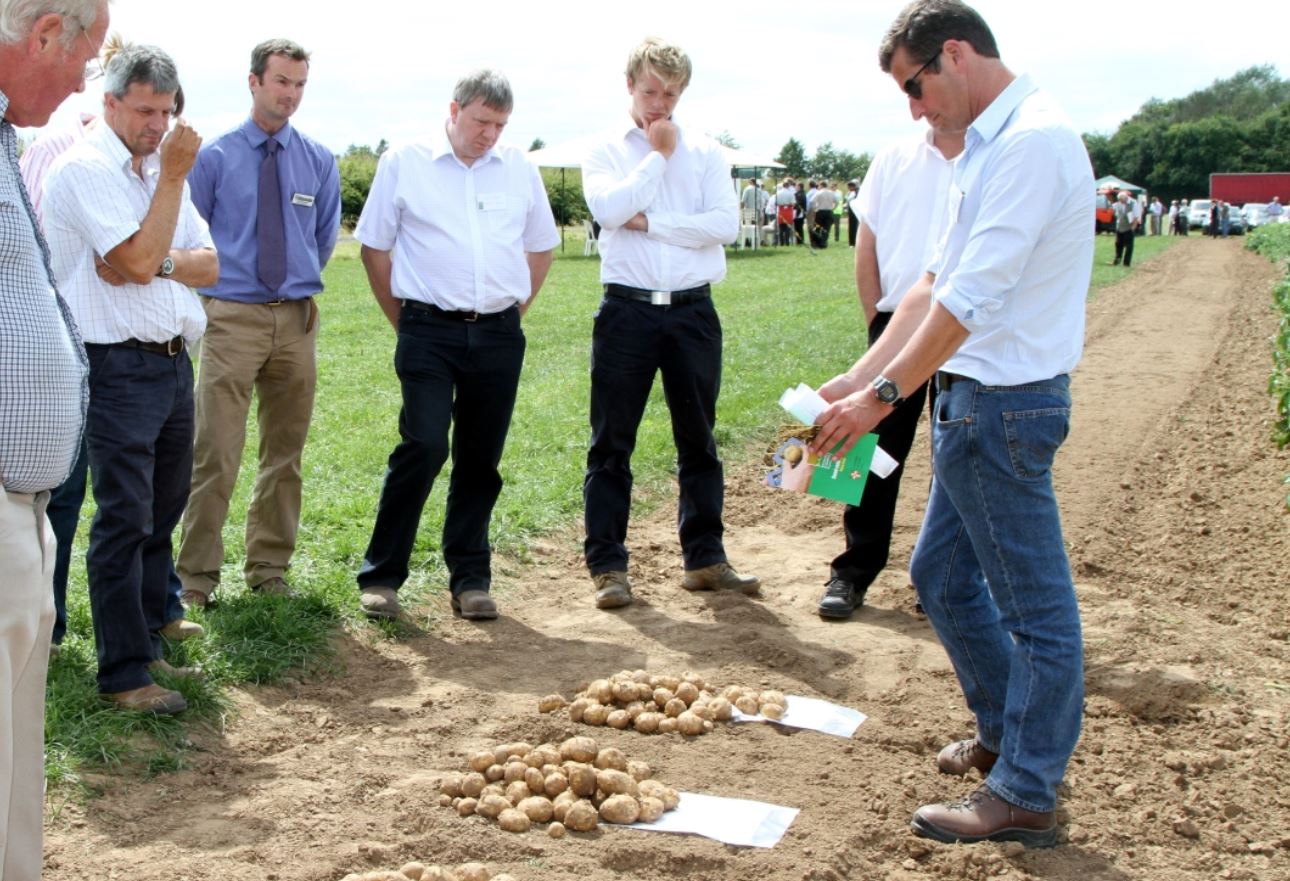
789,316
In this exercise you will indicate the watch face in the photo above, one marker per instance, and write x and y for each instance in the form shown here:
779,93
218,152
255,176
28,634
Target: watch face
886,391
167,266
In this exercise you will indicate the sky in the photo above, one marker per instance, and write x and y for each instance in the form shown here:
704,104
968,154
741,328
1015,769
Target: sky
763,71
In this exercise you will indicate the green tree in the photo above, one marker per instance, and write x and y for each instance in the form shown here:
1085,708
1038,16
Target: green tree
793,156
726,139
537,144
564,192
357,168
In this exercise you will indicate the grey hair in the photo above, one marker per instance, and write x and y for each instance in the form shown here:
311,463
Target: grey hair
141,64
17,17
484,85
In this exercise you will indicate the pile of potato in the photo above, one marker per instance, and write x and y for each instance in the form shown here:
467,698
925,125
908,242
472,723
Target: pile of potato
422,872
663,704
574,786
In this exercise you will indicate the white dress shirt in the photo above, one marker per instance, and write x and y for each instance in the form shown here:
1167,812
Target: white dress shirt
688,200
459,232
903,201
94,201
1015,265
37,159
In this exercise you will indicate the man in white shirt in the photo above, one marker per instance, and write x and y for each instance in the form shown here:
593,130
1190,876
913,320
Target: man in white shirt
664,202
126,244
785,206
1000,320
457,238
902,209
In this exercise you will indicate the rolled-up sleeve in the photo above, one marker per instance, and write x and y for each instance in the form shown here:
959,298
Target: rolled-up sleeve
540,233
378,225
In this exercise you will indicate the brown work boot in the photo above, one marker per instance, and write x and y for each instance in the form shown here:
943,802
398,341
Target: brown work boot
181,629
474,605
380,602
274,587
150,698
964,755
194,599
613,590
983,816
720,576
167,669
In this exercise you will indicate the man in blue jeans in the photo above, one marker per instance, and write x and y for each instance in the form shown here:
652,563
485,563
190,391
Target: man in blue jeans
999,320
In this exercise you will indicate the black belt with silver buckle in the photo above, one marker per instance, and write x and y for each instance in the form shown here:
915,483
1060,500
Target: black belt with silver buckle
454,314
945,379
659,298
170,348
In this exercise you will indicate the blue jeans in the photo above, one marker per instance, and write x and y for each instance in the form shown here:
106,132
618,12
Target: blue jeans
991,572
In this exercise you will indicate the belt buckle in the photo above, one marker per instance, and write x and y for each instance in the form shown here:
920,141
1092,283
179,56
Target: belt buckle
277,302
660,298
174,346
471,317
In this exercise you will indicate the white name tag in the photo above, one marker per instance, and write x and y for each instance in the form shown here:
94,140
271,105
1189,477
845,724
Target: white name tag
491,201
303,199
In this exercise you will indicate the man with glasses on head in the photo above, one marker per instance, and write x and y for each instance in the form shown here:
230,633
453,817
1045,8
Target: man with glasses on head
44,47
126,245
999,320
262,323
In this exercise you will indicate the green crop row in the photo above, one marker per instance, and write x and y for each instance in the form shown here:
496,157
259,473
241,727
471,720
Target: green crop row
1273,242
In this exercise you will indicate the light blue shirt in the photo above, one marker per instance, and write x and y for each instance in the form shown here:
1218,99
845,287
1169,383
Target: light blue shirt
225,183
1015,264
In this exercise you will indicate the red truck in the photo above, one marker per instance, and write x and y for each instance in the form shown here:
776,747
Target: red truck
1241,187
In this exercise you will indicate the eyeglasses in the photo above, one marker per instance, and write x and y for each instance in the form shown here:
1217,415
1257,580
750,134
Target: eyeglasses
93,67
913,88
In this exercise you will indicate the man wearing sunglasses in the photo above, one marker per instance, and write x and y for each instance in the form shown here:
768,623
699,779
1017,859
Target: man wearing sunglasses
999,321
126,245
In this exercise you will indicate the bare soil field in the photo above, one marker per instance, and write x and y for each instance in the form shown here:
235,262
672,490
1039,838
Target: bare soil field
1174,513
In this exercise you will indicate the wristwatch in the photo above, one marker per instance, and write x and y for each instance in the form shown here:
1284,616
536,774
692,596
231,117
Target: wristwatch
167,267
887,391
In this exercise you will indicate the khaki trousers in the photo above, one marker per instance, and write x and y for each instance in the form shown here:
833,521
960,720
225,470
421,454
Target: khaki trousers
26,622
269,350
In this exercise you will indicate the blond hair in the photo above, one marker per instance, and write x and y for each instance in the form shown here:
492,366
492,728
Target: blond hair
665,60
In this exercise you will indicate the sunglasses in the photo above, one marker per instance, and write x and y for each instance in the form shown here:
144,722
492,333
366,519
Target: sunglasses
913,88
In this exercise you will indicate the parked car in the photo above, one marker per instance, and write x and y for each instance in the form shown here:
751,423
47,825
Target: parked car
1254,214
1235,222
1198,214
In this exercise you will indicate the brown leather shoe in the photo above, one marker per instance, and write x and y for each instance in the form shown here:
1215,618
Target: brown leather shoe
613,590
983,816
380,602
720,576
181,629
274,587
194,599
964,755
149,699
474,605
167,669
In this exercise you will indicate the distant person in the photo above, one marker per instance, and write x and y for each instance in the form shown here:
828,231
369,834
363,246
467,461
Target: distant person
1184,218
457,238
1215,211
1126,226
839,206
1155,211
1172,227
262,322
1274,210
663,195
853,220
127,245
1224,218
785,206
799,215
820,207
44,52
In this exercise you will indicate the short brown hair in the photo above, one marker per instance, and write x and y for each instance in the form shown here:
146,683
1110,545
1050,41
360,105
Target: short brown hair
261,54
665,60
924,25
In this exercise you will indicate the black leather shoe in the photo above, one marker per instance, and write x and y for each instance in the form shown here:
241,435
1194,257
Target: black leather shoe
983,816
841,598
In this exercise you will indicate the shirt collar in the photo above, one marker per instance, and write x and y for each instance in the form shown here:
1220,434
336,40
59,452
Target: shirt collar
992,120
257,136
112,146
441,147
627,127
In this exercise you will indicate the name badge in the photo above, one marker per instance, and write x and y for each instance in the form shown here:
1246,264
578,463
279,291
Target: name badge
491,201
302,199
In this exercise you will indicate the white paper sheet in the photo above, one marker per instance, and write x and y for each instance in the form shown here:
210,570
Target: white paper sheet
813,714
805,404
728,820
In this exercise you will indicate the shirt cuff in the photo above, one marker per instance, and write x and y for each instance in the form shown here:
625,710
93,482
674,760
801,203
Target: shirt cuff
975,315
662,224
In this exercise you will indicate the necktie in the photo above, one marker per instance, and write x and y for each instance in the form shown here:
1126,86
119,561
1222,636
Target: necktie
270,238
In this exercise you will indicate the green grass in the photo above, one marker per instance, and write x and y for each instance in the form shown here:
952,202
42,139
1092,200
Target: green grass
1144,248
789,316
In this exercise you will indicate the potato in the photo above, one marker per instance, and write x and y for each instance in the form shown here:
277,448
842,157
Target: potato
774,697
601,690
732,693
641,676
595,715
413,870
554,784
504,876
619,719
639,770
490,806
687,692
534,780
675,707
614,782
515,771
446,800
473,872
611,757
451,785
543,755
577,708
504,752
689,724
579,749
438,873
582,780
647,723
514,820
635,708
669,682
651,809
495,773
480,760
747,704
621,809
555,830
694,679
537,808
472,784
561,803
722,709
466,806
707,727
666,725
671,798
662,696
624,691
517,792
550,703
703,711
773,711
493,789
581,816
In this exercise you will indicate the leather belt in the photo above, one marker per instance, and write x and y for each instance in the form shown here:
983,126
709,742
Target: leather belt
171,348
945,379
659,298
454,314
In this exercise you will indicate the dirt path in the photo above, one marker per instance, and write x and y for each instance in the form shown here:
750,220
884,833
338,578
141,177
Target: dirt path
1173,511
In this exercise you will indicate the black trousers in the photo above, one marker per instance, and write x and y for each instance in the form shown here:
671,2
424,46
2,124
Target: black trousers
853,227
868,525
1124,247
462,375
630,343
821,221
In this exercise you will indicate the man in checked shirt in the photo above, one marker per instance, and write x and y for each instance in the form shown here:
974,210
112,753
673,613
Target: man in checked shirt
44,48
